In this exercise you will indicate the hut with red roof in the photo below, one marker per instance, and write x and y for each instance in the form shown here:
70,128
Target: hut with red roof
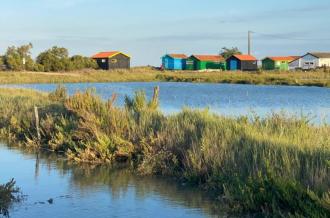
242,62
112,60
174,61
204,62
277,63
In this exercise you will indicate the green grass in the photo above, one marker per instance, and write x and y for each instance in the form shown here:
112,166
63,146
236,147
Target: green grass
145,74
273,166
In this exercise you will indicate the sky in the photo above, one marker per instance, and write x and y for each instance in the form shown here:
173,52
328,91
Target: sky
148,29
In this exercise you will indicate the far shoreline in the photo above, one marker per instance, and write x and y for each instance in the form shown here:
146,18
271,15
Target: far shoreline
317,78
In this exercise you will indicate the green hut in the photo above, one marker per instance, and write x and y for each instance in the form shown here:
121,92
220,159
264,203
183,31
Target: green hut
277,63
204,62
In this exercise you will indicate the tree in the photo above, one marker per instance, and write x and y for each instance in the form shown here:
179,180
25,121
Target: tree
227,52
79,62
19,58
54,59
2,62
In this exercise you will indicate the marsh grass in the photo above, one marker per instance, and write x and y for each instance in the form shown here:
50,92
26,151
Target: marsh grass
146,74
274,166
9,194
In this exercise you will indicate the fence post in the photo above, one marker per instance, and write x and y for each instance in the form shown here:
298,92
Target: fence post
36,114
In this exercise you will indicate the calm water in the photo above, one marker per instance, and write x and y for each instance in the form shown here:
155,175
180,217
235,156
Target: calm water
226,99
100,191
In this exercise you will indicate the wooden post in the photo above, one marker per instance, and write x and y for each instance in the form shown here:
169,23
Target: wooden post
36,114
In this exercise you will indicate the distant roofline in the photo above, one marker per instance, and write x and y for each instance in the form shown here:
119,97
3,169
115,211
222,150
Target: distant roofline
113,53
221,58
281,58
239,57
173,56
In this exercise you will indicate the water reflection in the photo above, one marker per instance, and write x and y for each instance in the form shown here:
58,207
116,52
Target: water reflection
139,196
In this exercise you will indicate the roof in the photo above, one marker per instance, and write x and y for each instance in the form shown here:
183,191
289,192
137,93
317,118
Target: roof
245,57
282,58
108,54
295,57
178,56
320,54
209,57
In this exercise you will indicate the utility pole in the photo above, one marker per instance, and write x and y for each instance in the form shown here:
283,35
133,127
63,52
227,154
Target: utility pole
249,42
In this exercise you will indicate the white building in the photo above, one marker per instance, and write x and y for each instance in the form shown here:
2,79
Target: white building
311,60
295,64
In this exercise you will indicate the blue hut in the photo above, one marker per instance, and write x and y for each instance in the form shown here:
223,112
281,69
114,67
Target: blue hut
174,62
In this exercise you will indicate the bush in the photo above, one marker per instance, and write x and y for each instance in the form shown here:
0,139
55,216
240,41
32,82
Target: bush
79,62
57,59
54,59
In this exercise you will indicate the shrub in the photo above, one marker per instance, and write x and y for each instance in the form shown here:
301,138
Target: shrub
79,62
54,59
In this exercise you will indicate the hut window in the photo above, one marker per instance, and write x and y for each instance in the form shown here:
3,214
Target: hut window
113,61
103,60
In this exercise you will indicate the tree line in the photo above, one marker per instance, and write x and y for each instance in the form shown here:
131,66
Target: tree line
52,60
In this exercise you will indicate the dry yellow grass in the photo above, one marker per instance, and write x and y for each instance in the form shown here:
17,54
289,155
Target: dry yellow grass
146,74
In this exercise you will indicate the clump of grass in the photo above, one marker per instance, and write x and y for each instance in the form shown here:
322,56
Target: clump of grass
9,194
276,166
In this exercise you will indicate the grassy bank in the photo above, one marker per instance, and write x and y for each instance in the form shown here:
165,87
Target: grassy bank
276,166
9,194
315,78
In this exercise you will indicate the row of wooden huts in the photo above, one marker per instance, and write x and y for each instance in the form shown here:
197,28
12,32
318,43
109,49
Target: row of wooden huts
311,60
205,62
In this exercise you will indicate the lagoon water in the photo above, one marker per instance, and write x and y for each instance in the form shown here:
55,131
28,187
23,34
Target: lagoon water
225,99
102,191
86,191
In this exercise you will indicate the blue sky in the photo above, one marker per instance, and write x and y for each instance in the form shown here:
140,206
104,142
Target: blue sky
146,29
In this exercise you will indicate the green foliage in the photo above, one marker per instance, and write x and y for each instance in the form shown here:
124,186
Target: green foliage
54,59
274,166
227,52
9,194
2,62
79,62
19,58
57,59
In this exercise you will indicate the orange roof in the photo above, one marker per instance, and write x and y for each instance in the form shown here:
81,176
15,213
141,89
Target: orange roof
295,57
245,57
282,58
178,56
107,54
209,57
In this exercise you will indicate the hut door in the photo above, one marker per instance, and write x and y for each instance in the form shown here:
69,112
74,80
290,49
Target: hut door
233,65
